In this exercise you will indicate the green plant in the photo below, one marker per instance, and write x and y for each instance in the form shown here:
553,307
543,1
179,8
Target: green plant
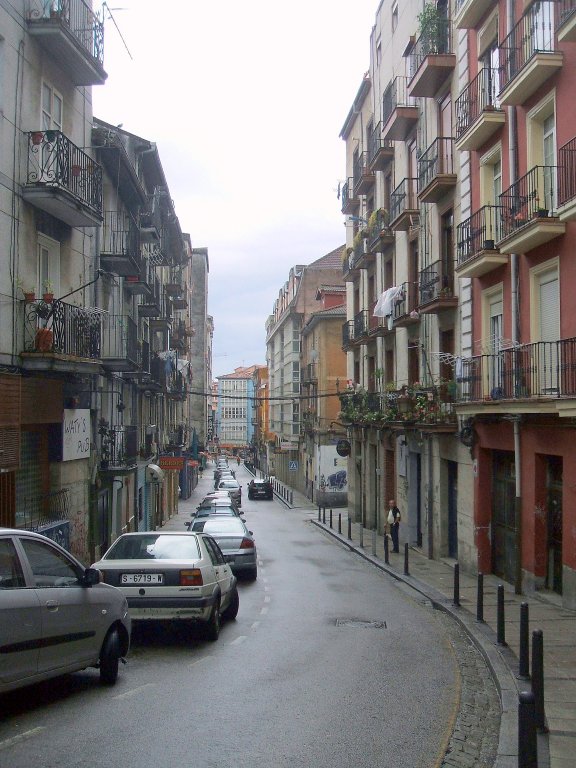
48,286
432,28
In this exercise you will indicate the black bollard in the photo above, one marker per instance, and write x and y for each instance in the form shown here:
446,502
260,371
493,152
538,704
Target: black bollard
480,598
339,522
500,625
406,570
361,534
527,743
524,653
386,550
292,498
349,529
374,537
456,599
319,513
330,517
324,515
538,678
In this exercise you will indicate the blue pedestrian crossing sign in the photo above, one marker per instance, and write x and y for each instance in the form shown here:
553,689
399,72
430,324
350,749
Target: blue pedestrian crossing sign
293,466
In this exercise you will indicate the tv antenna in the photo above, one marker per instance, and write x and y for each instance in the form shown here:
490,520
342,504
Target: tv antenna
107,7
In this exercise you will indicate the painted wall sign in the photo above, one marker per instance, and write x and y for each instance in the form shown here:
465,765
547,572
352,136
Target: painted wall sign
171,462
76,442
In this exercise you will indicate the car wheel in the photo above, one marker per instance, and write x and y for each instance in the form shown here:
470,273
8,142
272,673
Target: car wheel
110,658
212,629
232,611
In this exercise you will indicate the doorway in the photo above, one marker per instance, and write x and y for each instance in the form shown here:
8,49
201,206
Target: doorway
452,509
504,515
554,475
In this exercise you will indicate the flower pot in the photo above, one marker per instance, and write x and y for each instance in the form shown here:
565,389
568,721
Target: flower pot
48,298
29,296
37,137
44,340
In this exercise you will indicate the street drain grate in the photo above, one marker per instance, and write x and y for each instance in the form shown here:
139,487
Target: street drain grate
361,624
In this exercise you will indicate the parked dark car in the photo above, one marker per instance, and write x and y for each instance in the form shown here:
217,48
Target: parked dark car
234,539
260,489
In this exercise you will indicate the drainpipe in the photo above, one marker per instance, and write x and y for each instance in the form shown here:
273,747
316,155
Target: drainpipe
513,169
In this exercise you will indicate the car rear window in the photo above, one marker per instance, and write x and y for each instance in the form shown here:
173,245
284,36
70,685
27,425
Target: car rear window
215,526
154,547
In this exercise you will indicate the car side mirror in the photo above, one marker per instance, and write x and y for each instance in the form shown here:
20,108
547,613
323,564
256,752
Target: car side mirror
91,577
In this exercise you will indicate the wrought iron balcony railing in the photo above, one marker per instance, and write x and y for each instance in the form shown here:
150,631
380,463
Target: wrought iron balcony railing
543,369
120,236
427,407
566,10
433,41
437,160
347,333
63,328
54,161
120,339
532,196
349,199
361,324
567,171
118,445
534,33
376,144
435,283
404,198
406,302
479,95
478,233
396,95
78,17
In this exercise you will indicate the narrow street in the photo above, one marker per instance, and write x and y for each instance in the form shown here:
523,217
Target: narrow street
329,663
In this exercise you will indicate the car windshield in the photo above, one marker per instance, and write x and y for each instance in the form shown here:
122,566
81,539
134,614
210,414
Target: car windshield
215,526
228,484
152,546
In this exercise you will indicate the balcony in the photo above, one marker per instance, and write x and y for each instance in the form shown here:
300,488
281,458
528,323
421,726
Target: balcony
362,256
143,282
176,438
436,289
432,59
361,326
405,310
364,176
350,201
152,302
60,337
120,246
399,111
347,334
528,209
310,373
469,13
436,175
118,448
380,326
567,181
478,114
535,377
528,56
179,302
429,409
380,150
119,343
380,236
159,315
476,252
566,29
404,211
63,180
73,35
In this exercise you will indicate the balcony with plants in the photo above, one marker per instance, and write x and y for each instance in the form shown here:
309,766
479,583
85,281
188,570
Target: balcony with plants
478,111
364,176
350,201
567,181
423,408
61,337
120,244
436,172
529,211
540,376
399,111
529,55
380,235
436,289
62,179
404,211
380,150
432,57
73,35
469,13
566,21
476,238
119,343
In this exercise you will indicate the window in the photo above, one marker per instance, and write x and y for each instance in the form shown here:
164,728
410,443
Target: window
51,108
11,576
394,15
48,260
491,176
50,567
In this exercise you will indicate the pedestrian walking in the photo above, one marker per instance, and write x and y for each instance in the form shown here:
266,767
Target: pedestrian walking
393,521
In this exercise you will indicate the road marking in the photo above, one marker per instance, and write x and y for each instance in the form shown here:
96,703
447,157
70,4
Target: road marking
255,625
21,737
266,598
199,661
266,589
264,610
238,640
134,691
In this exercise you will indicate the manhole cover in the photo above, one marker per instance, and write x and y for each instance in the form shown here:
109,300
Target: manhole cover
361,623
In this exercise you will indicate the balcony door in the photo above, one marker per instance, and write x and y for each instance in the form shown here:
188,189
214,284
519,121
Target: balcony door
547,294
496,360
48,260
549,162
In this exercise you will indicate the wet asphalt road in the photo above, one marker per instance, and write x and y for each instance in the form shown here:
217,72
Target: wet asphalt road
329,665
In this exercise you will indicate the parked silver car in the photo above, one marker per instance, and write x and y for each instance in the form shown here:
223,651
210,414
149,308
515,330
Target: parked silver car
55,615
234,487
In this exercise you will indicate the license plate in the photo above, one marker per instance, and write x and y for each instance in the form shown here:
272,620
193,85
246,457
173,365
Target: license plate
142,578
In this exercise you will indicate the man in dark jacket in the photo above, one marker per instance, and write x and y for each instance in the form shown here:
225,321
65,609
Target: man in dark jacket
394,523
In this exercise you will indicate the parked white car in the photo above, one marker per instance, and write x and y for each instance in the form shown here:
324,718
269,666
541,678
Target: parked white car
172,576
55,615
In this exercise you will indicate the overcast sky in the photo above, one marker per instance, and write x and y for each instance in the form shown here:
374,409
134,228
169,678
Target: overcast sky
245,101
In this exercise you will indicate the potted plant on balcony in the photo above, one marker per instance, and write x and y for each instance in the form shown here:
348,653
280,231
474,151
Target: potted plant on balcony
28,290
432,29
48,295
36,137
